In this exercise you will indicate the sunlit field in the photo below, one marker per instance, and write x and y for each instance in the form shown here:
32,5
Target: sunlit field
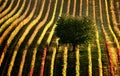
29,46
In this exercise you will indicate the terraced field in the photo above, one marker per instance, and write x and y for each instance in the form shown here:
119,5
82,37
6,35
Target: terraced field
28,45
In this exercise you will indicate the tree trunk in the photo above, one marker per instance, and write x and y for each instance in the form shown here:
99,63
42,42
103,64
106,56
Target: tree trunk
74,46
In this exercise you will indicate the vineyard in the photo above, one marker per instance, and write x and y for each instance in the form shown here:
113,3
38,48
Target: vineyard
29,46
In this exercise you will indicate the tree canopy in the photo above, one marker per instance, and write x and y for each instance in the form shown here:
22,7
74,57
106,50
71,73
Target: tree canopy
75,30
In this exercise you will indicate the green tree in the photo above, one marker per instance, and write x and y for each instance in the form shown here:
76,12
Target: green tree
75,30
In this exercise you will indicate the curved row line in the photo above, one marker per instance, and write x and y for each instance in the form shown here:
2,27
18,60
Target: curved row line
117,10
3,5
32,37
112,54
65,48
9,14
37,29
110,28
10,20
97,42
14,33
14,24
42,36
49,40
7,10
21,39
113,17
